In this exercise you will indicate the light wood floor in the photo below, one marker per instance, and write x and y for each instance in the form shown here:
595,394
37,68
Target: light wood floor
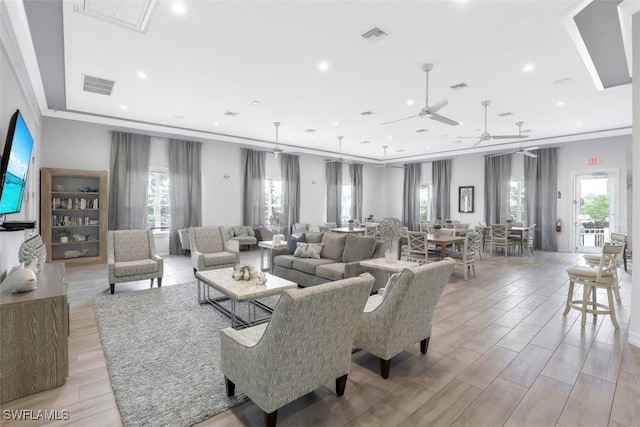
501,353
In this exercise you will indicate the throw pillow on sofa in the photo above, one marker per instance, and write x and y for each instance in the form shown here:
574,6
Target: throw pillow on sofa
333,246
240,231
308,250
358,248
314,237
292,243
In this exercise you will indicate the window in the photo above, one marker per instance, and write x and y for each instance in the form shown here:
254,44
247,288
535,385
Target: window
158,215
425,203
272,198
517,200
345,213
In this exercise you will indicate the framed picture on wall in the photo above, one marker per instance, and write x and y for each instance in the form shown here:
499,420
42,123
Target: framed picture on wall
465,199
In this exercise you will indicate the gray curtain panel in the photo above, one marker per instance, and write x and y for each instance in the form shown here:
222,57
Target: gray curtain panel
541,187
290,169
254,178
334,192
411,196
356,191
128,181
441,179
185,189
497,175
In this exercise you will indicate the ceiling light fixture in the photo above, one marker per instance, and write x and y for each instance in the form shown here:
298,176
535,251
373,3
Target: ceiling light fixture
561,103
323,66
336,123
216,124
528,67
178,8
410,102
142,75
255,102
123,107
578,123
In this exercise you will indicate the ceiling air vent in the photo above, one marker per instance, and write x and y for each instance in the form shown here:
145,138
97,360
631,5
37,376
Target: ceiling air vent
421,130
231,113
365,142
309,130
459,86
97,85
367,113
374,34
508,113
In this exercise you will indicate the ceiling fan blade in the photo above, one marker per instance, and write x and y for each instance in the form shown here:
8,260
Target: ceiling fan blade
499,154
479,141
435,108
530,148
399,120
526,153
509,136
443,119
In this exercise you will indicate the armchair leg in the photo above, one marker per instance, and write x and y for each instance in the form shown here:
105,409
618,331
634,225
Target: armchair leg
194,271
159,282
424,345
151,284
385,366
231,387
270,419
341,384
112,286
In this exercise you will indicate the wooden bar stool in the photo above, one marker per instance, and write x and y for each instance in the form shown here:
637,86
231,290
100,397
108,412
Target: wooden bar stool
591,278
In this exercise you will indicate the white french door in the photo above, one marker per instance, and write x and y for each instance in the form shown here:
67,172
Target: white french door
594,209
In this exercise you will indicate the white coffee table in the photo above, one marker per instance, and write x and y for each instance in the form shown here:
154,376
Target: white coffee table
237,291
268,246
387,268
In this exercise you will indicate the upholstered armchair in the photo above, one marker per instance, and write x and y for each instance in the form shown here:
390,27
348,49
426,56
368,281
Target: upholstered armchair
209,249
401,316
306,344
132,256
185,243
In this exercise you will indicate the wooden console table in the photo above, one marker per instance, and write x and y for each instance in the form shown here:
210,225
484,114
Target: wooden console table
34,330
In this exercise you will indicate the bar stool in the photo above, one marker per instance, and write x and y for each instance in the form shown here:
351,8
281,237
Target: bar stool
591,278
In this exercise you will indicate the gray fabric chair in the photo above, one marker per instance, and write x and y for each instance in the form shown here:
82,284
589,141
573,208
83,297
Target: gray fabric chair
132,256
185,243
402,315
306,344
209,249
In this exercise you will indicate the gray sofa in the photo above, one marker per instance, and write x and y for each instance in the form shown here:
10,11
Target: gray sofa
340,259
244,234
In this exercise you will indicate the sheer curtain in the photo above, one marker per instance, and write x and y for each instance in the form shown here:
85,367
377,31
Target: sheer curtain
411,196
128,181
441,178
334,192
356,191
497,174
254,178
185,188
290,169
541,186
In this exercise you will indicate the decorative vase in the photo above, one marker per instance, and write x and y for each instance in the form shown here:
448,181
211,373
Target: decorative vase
389,257
64,239
277,239
350,226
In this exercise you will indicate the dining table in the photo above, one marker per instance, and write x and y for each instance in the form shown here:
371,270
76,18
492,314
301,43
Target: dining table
440,241
347,230
522,231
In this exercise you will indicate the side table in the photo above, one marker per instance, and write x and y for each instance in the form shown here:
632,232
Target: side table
268,246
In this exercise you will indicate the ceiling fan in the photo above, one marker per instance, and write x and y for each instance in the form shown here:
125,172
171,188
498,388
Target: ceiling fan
277,150
429,110
524,151
339,159
486,136
385,165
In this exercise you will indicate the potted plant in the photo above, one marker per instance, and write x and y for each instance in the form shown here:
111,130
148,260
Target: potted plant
390,229
436,230
350,224
277,221
63,235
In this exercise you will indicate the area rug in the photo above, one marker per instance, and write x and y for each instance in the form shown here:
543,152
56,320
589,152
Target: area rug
163,356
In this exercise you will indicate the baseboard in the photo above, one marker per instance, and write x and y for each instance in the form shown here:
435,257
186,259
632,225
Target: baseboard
634,338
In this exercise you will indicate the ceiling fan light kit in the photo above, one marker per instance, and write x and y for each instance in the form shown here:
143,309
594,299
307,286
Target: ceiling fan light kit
524,151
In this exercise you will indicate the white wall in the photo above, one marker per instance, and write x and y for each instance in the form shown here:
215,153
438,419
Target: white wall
468,171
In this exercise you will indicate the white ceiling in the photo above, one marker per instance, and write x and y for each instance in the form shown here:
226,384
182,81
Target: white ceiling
220,56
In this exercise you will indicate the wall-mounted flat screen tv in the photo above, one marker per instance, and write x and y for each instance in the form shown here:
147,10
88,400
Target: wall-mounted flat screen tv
15,165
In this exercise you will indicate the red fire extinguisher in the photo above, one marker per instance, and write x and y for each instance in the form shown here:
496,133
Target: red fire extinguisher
558,226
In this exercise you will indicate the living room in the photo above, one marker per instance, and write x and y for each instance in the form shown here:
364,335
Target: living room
77,143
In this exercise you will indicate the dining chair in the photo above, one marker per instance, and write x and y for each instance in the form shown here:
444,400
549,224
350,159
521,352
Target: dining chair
602,276
418,247
467,257
595,259
531,235
499,238
371,230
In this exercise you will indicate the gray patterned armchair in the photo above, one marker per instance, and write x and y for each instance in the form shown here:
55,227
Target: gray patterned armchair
401,316
306,344
209,249
132,256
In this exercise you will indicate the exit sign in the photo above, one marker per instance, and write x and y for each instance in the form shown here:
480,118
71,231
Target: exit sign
593,160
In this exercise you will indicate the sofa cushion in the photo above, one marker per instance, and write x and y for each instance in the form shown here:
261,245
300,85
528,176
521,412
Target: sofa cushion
308,250
332,272
285,261
333,246
308,265
240,231
246,240
314,237
219,258
134,268
292,243
358,248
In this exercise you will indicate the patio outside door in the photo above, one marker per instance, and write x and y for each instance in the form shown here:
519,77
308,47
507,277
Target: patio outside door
594,207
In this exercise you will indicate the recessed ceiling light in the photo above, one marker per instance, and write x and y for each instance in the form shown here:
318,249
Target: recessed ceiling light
255,102
142,75
216,124
410,102
336,123
561,103
289,136
323,66
390,136
528,67
123,107
178,8
578,123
